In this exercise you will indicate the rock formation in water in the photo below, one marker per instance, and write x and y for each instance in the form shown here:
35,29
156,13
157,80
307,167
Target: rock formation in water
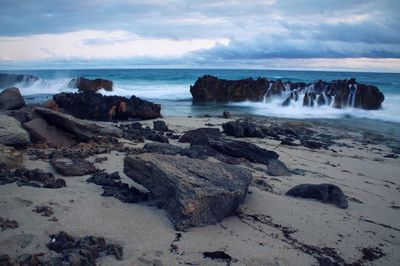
84,84
337,93
94,106
9,80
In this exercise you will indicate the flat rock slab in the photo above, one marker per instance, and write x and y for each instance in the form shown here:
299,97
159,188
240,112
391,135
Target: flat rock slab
193,192
11,132
73,167
40,130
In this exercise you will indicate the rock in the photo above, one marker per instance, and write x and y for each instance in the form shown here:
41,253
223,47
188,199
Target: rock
52,105
154,136
226,114
44,210
209,88
219,256
81,129
193,192
94,106
40,130
277,168
189,135
9,80
84,84
162,148
11,132
10,158
311,144
11,99
327,193
117,189
238,149
33,178
7,224
24,114
242,129
73,167
160,126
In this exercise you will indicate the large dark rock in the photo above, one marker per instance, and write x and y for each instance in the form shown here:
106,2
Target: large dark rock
11,132
193,192
160,125
327,193
209,88
11,99
9,80
81,129
94,106
32,178
206,131
84,84
242,129
346,93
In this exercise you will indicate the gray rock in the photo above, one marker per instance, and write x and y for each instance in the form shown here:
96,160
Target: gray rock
162,148
11,132
10,158
11,99
206,131
160,125
82,129
327,193
242,129
277,168
72,167
193,192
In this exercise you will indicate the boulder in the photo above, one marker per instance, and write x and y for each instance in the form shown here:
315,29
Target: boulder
9,80
11,132
206,131
52,105
10,158
327,193
242,129
193,192
73,166
209,88
94,106
81,129
84,84
11,99
40,130
160,126
277,168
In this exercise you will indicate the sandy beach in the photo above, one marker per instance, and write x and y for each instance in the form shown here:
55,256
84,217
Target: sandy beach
269,228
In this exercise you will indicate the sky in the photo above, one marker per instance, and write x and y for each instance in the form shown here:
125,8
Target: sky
356,35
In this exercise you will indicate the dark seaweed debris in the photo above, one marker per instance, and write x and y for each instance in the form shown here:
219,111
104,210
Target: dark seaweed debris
33,178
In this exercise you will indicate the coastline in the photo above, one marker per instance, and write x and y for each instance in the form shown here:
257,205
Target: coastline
269,228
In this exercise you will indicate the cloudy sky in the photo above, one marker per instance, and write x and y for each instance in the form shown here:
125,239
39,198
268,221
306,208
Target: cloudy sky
361,35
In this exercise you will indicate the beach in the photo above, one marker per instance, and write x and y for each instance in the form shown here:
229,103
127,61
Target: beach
269,228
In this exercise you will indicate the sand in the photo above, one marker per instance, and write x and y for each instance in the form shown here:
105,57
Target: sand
256,235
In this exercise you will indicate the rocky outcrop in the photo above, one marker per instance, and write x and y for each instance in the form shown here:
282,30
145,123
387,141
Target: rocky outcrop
84,84
11,99
81,129
337,93
206,131
327,193
242,129
11,132
193,192
10,158
94,106
9,80
40,130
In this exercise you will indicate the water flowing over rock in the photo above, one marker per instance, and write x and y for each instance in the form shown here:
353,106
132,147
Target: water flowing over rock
9,80
11,99
84,84
94,106
337,93
193,192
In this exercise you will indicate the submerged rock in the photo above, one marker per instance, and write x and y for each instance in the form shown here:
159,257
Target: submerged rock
11,132
327,193
94,106
193,192
11,99
84,84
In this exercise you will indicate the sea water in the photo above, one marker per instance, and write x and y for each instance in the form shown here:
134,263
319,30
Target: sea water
171,88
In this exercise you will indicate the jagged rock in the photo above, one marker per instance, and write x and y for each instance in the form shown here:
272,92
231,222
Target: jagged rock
11,99
160,126
189,135
209,88
154,136
277,168
327,193
193,192
238,149
83,130
73,166
226,115
162,148
94,106
40,130
242,129
11,132
33,178
9,80
10,158
84,84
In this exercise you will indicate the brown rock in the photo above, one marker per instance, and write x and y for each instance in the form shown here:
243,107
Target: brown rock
11,99
10,158
52,105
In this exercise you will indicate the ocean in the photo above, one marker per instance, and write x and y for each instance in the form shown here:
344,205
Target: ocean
170,88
